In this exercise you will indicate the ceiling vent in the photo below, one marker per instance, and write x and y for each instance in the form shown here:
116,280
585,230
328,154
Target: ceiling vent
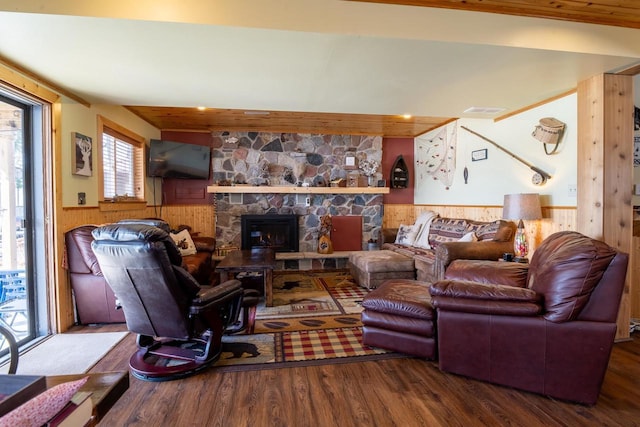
484,110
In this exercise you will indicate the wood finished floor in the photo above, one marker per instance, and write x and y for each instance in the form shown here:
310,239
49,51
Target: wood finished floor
398,392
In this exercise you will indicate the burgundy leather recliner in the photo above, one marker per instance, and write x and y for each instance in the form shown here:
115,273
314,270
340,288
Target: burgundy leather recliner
95,301
551,332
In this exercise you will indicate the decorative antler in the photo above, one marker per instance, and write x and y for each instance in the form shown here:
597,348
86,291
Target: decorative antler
85,146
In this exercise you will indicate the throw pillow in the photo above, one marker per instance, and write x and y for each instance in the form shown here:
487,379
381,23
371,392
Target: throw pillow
38,410
424,220
184,243
407,234
469,237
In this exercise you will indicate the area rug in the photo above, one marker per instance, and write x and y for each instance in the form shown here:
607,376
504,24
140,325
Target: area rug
315,320
297,348
322,296
63,354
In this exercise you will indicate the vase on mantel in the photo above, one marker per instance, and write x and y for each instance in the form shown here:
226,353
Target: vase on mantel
371,179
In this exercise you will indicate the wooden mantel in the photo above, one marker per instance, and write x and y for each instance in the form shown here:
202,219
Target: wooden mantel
250,189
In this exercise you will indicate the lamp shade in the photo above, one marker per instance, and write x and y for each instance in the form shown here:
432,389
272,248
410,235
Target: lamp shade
522,206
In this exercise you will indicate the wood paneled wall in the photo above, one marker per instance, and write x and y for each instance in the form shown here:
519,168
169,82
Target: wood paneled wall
554,218
201,218
605,170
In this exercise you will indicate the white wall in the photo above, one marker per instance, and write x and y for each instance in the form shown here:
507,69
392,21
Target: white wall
489,180
78,118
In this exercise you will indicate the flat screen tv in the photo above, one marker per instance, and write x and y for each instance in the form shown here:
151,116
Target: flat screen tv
168,159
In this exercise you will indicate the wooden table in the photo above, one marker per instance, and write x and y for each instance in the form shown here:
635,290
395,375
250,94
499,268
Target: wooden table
106,389
260,260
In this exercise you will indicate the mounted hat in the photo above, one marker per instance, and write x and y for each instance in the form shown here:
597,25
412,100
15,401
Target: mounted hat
549,131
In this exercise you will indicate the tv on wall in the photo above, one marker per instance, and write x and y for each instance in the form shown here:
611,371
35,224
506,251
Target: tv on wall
169,159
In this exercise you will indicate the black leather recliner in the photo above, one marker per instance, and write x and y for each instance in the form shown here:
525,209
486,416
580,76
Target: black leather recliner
179,322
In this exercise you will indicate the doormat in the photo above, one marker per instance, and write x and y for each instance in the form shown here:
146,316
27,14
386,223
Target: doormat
63,354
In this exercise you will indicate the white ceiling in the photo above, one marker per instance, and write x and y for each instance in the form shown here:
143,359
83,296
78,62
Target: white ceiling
305,55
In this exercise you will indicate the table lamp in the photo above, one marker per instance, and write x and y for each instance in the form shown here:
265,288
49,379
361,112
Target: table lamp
518,207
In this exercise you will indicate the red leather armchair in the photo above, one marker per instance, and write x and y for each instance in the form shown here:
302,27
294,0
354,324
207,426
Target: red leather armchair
547,327
95,301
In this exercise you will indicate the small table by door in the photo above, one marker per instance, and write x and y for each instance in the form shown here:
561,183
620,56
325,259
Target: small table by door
260,260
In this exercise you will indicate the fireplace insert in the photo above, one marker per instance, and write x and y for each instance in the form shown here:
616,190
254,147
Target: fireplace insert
278,232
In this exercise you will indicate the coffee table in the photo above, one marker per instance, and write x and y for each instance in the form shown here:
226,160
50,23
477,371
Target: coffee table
260,260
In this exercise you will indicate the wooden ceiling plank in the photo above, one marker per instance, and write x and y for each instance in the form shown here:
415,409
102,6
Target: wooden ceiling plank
615,13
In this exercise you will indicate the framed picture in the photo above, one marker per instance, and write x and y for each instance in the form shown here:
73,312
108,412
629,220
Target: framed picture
479,155
636,149
350,161
82,155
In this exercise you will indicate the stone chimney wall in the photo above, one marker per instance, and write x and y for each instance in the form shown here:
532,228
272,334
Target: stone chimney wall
262,158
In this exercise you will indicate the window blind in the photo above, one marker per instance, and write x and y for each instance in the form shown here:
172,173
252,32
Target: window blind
122,162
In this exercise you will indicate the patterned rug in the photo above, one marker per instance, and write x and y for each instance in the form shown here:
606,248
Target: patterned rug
297,348
315,320
310,300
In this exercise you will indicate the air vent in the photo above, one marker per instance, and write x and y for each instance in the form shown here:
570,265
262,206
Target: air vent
484,110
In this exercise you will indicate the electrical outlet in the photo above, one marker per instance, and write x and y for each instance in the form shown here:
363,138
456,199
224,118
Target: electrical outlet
573,190
307,201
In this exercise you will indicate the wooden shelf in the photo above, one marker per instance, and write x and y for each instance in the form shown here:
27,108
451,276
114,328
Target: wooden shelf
248,189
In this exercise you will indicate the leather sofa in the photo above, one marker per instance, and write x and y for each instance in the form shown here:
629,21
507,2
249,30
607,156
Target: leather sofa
493,240
94,300
547,327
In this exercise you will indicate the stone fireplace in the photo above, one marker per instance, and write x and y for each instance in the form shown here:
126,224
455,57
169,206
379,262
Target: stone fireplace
279,232
291,159
229,214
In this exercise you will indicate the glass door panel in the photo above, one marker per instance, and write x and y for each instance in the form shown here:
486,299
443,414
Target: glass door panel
15,238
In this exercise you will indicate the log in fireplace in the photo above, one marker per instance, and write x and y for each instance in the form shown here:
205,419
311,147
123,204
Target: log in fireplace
279,232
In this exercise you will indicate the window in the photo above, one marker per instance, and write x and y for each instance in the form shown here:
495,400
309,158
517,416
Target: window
122,162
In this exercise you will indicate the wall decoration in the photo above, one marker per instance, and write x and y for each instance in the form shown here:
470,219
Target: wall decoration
82,154
636,149
350,160
436,156
479,155
549,131
539,176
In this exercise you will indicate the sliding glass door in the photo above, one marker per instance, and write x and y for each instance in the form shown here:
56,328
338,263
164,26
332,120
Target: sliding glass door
17,296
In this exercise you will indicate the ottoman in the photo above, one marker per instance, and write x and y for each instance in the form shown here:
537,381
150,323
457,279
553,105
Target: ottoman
370,269
398,316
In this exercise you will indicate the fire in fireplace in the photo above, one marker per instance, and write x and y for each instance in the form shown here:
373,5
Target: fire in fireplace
279,232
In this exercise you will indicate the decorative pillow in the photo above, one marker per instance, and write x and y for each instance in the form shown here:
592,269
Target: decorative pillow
407,234
447,230
184,243
424,220
40,409
469,237
487,231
